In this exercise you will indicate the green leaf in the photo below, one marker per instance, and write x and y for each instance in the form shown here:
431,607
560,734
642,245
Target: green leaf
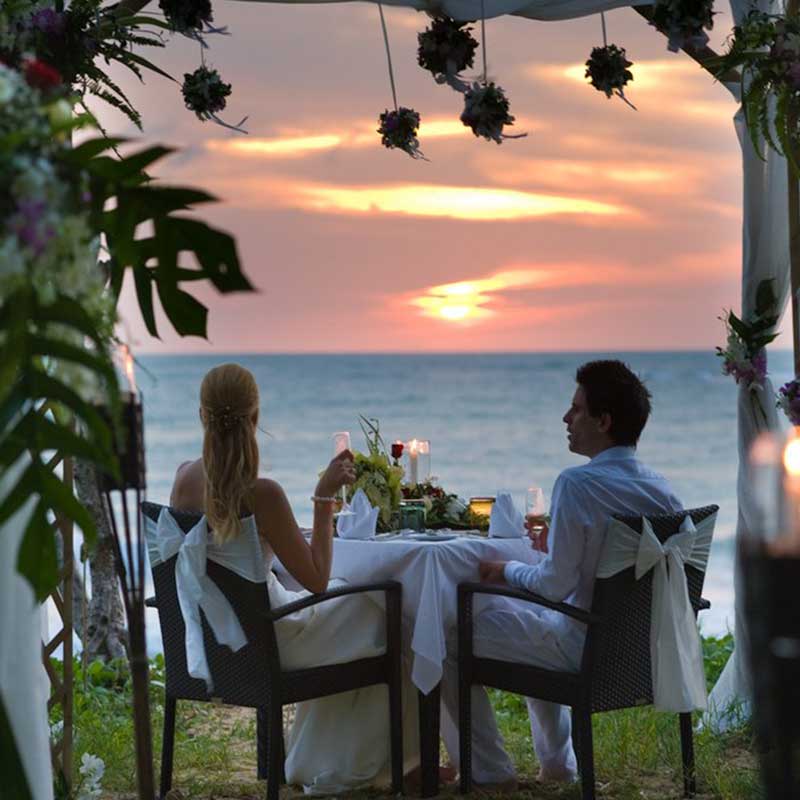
143,62
142,278
44,346
88,150
739,327
37,560
61,499
17,497
68,311
187,315
765,296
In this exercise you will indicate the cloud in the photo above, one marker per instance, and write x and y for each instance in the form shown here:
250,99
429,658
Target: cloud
361,134
455,202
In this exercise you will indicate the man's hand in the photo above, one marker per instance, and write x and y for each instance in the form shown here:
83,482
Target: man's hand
538,529
492,571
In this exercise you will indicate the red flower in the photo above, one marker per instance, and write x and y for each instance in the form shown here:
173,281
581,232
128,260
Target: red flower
42,76
397,450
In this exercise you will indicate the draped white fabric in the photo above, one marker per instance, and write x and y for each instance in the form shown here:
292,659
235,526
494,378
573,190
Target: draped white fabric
765,254
24,686
196,590
471,9
679,682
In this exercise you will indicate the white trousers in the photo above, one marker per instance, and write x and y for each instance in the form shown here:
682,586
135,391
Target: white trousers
514,633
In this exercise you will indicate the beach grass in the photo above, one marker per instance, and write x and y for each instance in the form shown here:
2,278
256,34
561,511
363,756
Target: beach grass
637,751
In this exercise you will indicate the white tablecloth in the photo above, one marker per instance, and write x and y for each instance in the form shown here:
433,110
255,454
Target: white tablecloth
429,572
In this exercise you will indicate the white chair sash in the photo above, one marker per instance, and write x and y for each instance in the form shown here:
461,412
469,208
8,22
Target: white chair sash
679,682
195,591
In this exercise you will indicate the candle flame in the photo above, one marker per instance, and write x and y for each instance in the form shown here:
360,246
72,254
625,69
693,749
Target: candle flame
413,446
127,364
791,458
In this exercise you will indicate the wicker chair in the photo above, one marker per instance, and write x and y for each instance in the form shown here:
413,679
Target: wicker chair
253,675
615,668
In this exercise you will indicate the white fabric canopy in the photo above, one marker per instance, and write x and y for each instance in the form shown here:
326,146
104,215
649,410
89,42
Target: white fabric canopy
471,9
765,254
24,686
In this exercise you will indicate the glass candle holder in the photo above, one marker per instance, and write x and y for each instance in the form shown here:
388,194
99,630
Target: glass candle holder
417,461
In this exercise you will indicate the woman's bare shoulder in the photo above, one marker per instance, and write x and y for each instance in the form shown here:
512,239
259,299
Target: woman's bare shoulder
189,478
268,491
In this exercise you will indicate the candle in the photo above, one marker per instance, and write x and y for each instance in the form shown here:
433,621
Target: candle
481,506
413,462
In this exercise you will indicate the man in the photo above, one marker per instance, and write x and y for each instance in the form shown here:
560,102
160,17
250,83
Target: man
608,413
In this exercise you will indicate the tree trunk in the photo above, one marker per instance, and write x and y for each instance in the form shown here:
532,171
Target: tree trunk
105,636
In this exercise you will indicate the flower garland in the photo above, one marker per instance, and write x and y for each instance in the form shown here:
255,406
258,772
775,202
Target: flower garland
744,356
443,509
788,400
48,248
767,48
447,48
398,129
684,21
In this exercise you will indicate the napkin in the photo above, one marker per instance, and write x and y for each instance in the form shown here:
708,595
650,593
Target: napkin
506,521
361,523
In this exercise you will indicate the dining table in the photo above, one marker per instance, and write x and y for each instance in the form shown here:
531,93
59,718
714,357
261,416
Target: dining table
429,565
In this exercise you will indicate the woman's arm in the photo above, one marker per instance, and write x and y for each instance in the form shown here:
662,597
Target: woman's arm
308,563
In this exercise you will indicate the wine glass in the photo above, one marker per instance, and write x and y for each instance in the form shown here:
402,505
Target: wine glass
535,507
341,442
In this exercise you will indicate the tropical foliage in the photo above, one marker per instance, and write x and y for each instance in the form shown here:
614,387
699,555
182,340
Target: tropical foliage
766,48
74,221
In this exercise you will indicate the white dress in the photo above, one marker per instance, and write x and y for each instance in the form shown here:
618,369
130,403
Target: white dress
337,743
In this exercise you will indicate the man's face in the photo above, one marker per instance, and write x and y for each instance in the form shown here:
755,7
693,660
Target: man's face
587,435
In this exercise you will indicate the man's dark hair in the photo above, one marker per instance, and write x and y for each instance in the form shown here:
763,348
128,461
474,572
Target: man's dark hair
611,388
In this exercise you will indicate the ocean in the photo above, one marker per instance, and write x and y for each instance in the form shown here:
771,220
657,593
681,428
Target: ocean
493,421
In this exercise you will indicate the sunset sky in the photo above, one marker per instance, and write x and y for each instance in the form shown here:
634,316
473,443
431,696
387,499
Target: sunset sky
604,228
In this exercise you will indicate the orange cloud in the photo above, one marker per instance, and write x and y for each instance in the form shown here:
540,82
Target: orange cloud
363,134
456,202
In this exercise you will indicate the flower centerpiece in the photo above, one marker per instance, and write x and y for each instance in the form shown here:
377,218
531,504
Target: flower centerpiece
376,475
442,509
744,356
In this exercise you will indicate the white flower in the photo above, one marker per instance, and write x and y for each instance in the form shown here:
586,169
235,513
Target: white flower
6,87
57,729
92,765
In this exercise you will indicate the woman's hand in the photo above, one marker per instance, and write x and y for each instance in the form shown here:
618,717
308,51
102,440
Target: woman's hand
340,472
537,528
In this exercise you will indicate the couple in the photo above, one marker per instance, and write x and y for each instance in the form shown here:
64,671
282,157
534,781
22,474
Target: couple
341,742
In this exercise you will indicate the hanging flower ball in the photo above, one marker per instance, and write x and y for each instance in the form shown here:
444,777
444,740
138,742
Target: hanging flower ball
399,129
446,48
607,69
204,92
684,21
186,16
486,110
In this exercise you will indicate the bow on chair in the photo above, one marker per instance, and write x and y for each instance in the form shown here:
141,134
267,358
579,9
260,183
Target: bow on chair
195,591
676,653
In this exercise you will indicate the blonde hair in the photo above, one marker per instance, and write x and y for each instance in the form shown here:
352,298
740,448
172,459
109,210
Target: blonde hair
229,411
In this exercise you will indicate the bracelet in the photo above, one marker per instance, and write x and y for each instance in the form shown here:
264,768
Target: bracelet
315,499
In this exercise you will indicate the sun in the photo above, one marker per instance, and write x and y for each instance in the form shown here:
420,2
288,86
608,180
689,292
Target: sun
457,312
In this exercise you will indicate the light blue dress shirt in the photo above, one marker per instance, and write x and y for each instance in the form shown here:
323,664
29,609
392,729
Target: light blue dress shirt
584,497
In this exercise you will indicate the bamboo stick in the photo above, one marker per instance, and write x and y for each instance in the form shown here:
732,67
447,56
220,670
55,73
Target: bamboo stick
794,231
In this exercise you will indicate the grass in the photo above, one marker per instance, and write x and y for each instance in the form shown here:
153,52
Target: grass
637,751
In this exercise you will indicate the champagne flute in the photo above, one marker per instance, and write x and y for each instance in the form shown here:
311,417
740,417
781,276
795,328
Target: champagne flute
535,507
341,442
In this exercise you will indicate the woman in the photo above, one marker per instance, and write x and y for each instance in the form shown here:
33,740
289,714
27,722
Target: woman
225,486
